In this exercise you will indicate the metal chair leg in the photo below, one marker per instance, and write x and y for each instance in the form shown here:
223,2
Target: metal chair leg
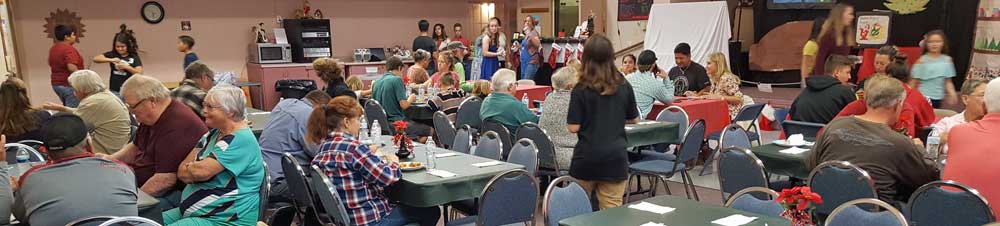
627,193
693,189
654,184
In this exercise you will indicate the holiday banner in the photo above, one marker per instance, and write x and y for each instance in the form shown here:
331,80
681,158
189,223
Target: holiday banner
985,63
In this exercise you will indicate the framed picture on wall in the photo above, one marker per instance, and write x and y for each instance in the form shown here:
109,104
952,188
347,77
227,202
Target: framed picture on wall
629,10
872,29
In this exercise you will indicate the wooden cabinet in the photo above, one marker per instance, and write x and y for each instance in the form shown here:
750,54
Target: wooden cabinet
265,96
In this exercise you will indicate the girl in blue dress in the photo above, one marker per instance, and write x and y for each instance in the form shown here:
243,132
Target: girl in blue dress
932,73
491,50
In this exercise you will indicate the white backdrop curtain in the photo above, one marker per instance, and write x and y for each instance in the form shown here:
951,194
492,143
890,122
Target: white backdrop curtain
703,25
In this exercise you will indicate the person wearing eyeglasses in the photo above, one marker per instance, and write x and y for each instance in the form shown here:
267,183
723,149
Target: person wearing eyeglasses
973,91
168,131
198,79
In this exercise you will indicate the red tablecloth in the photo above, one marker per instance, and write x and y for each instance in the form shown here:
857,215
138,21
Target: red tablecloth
714,112
534,92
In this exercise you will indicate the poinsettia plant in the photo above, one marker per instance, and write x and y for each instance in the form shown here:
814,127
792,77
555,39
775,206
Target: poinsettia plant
401,140
798,201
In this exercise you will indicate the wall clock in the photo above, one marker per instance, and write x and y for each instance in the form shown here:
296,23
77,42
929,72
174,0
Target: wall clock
152,12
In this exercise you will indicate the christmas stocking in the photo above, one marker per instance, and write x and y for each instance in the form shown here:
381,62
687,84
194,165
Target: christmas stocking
552,55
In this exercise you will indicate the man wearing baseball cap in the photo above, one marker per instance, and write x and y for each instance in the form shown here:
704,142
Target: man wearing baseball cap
73,184
648,89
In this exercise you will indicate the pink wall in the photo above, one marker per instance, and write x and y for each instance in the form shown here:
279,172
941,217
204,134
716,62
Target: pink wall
220,27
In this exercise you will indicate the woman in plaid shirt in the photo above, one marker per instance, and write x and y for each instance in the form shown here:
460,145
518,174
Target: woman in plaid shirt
357,172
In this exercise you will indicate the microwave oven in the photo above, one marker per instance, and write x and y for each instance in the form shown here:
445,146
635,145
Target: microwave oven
270,53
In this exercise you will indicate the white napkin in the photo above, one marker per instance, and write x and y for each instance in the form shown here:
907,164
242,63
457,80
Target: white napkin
442,155
653,224
647,122
734,220
485,164
629,128
441,173
645,206
794,151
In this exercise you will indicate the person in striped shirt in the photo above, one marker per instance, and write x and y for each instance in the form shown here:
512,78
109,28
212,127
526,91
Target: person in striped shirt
356,171
449,98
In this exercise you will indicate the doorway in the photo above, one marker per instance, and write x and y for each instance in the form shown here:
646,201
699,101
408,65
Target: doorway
567,16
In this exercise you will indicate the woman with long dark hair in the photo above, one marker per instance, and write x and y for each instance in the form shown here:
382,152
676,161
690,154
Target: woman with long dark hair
836,37
491,50
123,58
440,36
18,120
600,105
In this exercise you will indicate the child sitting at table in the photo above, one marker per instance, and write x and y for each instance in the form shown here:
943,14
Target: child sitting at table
448,99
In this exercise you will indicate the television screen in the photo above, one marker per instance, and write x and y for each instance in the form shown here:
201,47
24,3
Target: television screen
800,4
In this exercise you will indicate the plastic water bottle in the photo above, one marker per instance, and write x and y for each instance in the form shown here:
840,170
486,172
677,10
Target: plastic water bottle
431,158
524,100
363,132
933,145
23,156
376,131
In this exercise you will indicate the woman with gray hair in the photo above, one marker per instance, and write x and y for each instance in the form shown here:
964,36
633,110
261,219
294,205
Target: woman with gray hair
226,161
554,111
98,107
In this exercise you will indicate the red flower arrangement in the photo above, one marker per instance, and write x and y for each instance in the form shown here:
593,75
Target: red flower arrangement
401,140
798,201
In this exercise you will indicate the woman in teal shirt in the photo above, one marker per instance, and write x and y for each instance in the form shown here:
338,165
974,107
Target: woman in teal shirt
224,172
933,71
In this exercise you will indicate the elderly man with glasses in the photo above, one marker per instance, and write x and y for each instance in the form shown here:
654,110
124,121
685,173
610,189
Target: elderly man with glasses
975,108
168,131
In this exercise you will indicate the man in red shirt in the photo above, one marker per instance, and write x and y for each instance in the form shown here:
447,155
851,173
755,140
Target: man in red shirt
168,131
64,60
972,150
458,36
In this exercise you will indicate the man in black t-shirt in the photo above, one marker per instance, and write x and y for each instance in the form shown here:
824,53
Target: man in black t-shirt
426,43
695,74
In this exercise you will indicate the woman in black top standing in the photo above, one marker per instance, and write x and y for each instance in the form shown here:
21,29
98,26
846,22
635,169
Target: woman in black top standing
600,105
123,58
331,73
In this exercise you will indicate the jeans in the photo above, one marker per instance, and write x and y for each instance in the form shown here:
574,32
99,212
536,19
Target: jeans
528,71
279,193
65,94
401,215
170,200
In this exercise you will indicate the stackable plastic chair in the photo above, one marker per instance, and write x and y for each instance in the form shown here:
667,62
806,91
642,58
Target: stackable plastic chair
807,129
524,153
547,165
663,169
443,129
509,198
489,146
463,140
374,111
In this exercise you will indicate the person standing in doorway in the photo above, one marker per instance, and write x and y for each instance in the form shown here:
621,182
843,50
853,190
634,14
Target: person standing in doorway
64,59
